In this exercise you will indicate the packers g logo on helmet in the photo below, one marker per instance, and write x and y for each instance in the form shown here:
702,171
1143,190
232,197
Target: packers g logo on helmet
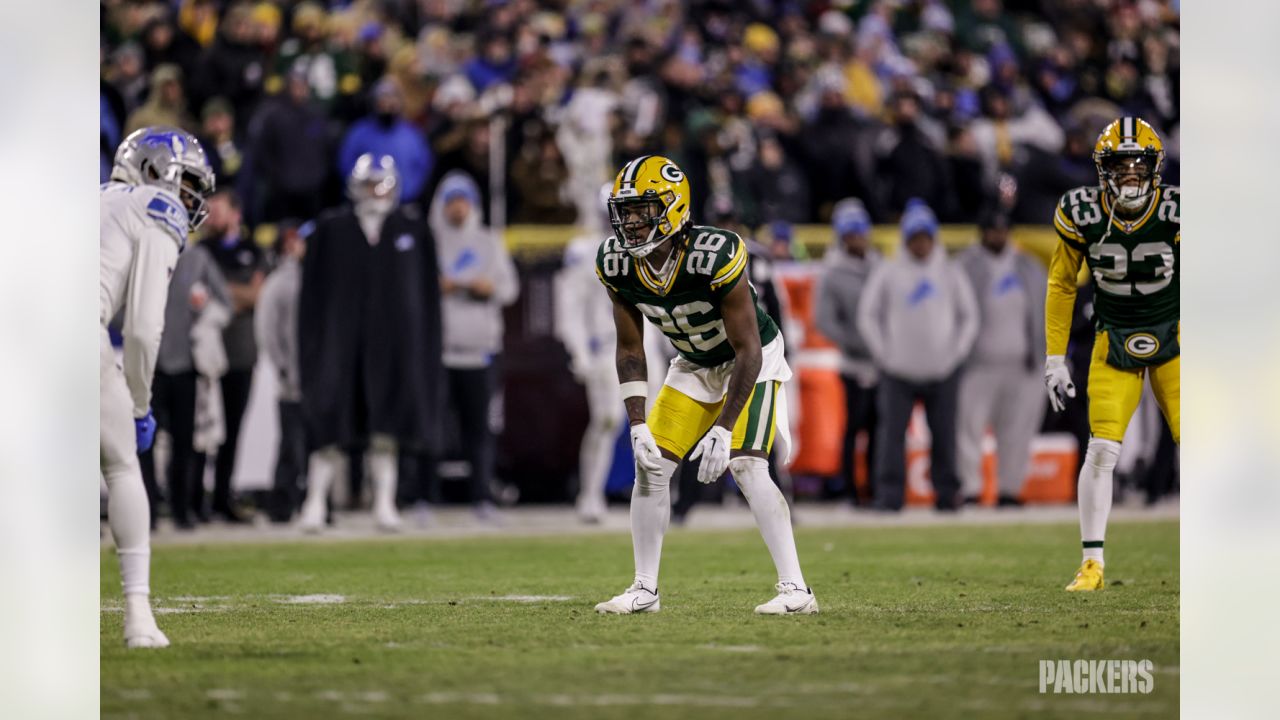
649,204
1129,145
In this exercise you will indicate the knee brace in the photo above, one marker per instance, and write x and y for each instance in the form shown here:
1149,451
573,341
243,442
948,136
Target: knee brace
1102,454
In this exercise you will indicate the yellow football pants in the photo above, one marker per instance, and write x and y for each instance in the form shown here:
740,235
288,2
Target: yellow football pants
1114,393
677,421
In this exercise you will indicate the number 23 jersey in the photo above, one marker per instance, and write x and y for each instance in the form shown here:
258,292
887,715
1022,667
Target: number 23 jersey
685,304
1134,263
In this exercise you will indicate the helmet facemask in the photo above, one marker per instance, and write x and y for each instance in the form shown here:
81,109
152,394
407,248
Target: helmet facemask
640,223
1129,178
194,191
374,185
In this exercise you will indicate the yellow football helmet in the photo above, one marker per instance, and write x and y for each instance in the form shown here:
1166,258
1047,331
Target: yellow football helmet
649,204
1129,147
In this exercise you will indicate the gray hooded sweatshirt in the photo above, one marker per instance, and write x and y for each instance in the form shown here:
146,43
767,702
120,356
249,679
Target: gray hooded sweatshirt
1010,289
919,318
468,252
840,287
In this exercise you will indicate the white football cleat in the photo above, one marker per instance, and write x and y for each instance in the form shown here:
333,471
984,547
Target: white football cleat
635,599
791,600
140,629
387,519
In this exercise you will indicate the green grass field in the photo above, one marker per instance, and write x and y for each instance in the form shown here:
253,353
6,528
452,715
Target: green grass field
946,621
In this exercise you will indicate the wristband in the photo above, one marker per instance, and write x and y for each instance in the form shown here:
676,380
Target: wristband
635,388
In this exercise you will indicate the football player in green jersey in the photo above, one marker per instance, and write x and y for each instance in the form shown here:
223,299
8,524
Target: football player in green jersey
1127,229
722,396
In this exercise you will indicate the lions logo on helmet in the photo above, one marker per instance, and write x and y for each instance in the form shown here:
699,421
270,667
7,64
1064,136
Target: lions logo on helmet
1129,147
649,204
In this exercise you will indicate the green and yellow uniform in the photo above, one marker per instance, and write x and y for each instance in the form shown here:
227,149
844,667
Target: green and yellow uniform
685,306
1135,268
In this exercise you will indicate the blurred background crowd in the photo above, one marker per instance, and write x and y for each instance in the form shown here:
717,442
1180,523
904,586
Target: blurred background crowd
777,108
982,111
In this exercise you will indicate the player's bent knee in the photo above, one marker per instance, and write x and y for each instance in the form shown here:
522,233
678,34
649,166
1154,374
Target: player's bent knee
1102,453
661,480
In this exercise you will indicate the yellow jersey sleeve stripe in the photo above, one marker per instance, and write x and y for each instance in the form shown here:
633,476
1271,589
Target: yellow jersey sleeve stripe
731,273
1065,225
739,251
604,282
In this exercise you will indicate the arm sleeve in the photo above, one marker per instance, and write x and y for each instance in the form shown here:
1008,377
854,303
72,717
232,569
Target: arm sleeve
1060,298
506,286
826,313
967,312
153,259
268,325
569,299
869,314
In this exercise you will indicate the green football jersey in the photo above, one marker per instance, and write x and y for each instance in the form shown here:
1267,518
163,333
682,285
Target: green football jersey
686,304
1134,263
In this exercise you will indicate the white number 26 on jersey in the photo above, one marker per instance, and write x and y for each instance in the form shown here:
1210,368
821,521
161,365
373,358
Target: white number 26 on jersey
681,327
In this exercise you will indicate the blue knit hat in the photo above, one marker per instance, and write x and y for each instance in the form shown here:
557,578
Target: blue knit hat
918,218
850,216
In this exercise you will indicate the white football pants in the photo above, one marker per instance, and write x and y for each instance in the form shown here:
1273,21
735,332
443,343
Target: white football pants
604,405
128,511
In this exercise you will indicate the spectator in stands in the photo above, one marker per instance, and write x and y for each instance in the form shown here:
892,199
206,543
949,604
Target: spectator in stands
127,75
836,146
166,103
291,146
1004,134
778,186
539,177
909,163
221,144
847,265
244,268
276,331
495,64
918,317
328,73
1002,376
196,288
164,43
386,132
234,66
478,279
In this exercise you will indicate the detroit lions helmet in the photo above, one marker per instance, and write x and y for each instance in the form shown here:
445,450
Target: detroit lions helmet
375,182
168,158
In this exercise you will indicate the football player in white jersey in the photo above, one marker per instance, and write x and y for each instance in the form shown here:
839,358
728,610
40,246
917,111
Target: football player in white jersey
156,196
584,323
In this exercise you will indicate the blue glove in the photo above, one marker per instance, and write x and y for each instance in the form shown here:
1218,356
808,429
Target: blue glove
146,429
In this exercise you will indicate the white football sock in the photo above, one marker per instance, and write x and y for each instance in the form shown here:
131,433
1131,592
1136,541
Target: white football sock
129,514
773,516
650,516
384,469
322,466
1094,491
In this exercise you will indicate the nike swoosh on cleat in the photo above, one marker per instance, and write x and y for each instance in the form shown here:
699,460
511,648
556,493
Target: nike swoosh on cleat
799,607
636,605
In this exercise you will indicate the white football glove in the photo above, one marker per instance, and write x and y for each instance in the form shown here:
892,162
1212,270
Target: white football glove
1057,378
645,449
713,448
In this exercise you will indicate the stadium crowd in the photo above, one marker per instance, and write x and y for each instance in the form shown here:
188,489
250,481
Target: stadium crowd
926,112
778,108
